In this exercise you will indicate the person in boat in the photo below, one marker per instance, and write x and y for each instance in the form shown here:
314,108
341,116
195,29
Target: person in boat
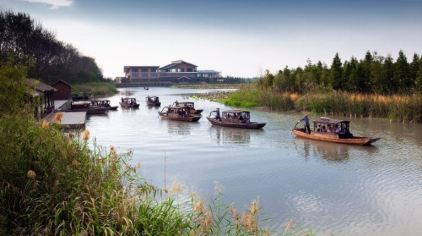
217,114
305,120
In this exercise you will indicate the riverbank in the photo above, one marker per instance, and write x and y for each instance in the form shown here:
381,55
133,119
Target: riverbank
97,89
406,108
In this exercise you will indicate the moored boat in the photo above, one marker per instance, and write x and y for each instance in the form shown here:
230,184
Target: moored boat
179,114
153,101
128,102
190,105
332,130
103,103
234,119
86,106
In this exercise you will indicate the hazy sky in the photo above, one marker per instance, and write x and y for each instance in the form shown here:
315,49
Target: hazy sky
236,37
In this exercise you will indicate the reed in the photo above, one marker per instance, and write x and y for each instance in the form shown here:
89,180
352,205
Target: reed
407,108
98,89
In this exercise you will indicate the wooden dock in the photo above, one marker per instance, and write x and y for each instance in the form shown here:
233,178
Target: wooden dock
69,120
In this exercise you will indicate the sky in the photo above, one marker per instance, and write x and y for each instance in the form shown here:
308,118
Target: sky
236,37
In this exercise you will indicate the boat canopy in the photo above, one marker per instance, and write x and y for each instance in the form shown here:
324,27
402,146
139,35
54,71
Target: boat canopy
127,99
184,104
235,112
326,120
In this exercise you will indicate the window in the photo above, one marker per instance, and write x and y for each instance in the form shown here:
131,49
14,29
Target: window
189,70
144,69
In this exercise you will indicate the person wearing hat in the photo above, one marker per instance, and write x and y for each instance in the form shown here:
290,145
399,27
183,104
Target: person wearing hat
305,120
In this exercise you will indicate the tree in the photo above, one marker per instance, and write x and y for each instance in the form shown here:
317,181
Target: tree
46,58
419,79
402,73
336,73
414,68
387,83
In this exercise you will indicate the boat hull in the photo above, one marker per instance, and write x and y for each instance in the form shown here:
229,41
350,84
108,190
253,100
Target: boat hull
250,125
191,118
362,141
153,104
124,105
112,108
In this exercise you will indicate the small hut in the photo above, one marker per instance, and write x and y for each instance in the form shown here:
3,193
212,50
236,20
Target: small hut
64,90
41,95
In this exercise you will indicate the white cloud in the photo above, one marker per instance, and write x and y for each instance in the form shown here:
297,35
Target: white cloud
54,4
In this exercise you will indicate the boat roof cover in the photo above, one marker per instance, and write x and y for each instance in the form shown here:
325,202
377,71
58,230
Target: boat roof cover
235,111
327,120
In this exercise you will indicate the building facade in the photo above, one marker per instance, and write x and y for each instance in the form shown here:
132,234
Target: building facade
176,72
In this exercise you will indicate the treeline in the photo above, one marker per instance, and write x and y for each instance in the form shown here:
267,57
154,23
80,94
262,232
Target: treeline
26,42
372,74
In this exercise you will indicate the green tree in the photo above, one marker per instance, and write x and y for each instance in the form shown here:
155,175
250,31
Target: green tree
336,73
419,79
387,83
12,89
414,68
402,73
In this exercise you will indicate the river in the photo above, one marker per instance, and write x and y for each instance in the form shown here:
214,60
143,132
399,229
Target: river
329,188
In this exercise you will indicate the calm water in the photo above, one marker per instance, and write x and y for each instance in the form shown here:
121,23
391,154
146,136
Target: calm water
330,188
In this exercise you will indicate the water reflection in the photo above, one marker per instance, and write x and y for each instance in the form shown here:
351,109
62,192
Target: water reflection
231,135
332,151
178,127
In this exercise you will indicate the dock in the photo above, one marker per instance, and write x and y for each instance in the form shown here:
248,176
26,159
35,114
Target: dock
69,120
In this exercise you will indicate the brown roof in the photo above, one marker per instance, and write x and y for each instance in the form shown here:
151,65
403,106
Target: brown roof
39,86
63,82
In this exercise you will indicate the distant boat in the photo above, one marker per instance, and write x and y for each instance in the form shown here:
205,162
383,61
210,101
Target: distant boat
146,88
179,114
234,119
332,130
128,102
191,105
153,101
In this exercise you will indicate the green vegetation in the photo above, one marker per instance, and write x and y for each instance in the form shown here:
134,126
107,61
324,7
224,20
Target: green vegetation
373,74
46,58
98,89
372,87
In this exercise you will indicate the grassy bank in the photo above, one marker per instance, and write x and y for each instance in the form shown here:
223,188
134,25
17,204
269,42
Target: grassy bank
395,107
97,89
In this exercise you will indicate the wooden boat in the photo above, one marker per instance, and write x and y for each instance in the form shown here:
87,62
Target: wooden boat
103,103
86,106
191,105
153,101
128,102
179,114
332,130
234,119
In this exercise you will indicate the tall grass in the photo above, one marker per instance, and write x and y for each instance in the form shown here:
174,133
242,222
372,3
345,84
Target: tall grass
394,107
98,89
